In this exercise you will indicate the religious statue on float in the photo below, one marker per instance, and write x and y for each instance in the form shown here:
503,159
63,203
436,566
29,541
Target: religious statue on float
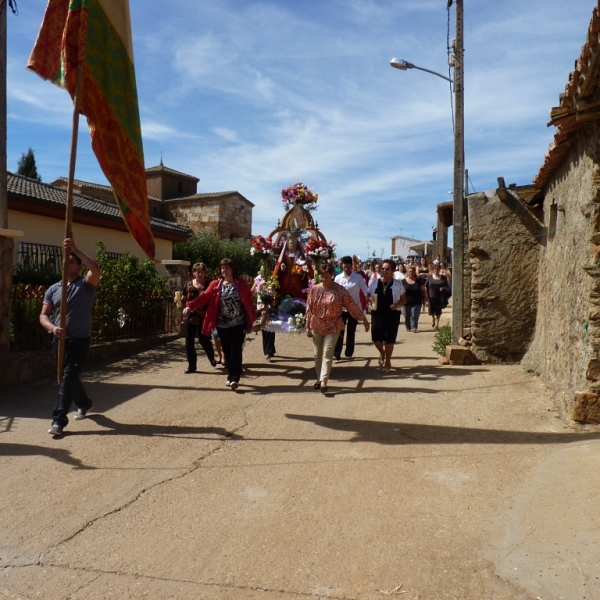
295,263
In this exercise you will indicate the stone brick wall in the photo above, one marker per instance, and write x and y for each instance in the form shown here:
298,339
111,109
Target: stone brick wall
503,257
228,216
197,214
566,345
167,185
236,218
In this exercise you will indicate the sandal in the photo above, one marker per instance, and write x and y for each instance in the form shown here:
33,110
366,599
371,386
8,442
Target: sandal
324,389
381,362
317,385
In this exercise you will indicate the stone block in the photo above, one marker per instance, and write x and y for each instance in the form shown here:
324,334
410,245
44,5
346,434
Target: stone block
586,408
593,370
457,355
443,360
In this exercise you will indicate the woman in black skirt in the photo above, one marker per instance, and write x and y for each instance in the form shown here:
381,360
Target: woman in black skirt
438,292
388,297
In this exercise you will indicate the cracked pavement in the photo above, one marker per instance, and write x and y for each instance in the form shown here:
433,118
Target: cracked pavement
427,483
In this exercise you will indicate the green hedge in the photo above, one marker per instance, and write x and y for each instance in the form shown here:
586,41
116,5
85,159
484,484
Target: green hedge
206,247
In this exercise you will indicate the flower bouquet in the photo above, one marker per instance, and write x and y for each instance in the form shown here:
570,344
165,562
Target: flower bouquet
298,194
267,290
319,250
262,247
296,323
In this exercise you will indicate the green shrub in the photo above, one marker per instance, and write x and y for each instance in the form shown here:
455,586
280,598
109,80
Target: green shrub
206,247
130,291
35,277
442,338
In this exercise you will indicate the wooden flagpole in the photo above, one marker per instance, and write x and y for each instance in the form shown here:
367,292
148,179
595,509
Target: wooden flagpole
68,225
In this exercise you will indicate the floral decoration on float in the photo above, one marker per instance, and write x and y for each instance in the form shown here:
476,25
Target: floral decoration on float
289,267
262,247
319,250
299,193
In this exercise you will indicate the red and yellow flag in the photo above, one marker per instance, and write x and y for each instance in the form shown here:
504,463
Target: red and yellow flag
97,35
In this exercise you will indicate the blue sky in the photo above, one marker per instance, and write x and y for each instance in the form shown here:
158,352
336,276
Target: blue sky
254,96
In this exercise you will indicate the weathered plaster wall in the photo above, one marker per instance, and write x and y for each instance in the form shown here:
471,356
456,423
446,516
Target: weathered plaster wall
503,255
566,344
46,230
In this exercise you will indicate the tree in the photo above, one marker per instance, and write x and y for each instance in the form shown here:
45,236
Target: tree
26,166
208,248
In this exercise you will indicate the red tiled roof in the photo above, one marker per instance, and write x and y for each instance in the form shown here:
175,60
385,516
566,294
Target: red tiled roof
162,169
576,104
31,190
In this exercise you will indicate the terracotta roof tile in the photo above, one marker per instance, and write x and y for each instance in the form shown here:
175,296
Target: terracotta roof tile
163,169
44,193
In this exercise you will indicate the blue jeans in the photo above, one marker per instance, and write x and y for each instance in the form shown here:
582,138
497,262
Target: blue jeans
411,316
71,389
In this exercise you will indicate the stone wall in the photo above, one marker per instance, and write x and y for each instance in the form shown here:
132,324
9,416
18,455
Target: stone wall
228,216
196,214
236,218
166,185
503,256
24,367
566,344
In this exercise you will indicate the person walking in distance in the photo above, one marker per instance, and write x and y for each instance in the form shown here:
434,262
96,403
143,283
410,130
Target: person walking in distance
415,292
355,284
77,333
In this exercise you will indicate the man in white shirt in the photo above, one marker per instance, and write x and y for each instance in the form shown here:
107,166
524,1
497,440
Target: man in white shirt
355,284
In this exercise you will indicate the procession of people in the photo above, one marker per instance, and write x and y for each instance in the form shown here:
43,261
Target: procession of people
301,289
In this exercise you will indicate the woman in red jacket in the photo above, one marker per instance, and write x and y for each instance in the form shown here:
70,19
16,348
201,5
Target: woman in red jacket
229,308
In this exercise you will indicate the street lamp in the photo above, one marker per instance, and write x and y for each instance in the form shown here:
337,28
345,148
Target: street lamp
458,239
403,65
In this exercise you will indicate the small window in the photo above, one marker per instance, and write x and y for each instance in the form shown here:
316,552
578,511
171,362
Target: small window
179,187
553,224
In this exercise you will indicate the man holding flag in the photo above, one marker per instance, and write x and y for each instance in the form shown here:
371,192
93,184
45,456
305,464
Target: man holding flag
85,47
77,333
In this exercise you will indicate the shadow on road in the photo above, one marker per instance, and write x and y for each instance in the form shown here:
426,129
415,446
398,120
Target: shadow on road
383,432
59,454
141,430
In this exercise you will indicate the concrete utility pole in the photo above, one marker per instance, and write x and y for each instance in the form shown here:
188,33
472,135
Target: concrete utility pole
458,245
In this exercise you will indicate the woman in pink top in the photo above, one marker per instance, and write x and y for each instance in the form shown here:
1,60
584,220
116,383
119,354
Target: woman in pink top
324,321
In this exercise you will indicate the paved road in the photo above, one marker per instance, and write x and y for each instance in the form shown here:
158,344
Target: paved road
426,483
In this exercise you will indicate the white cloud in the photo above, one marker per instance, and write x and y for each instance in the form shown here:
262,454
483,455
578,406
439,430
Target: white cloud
255,95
